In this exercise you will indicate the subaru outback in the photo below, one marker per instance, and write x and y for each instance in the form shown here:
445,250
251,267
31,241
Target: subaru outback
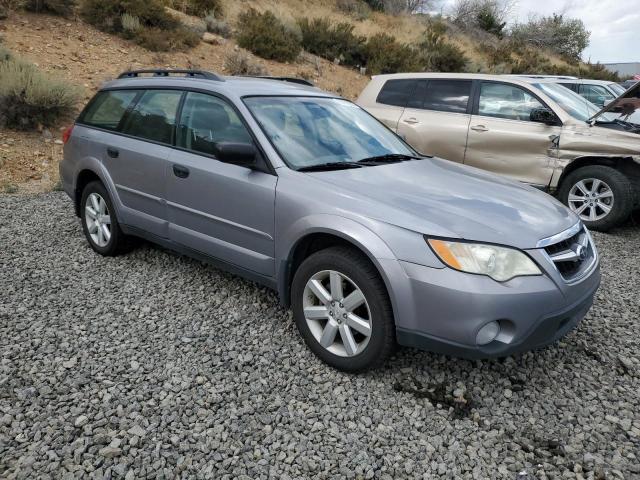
372,244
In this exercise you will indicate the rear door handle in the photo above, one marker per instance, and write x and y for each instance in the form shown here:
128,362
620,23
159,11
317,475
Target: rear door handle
411,120
180,171
479,128
112,152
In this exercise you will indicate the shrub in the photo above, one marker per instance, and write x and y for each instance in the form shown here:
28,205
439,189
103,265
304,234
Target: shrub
158,40
358,9
219,27
438,55
107,14
384,54
488,21
201,8
130,24
331,42
57,7
266,36
240,63
30,97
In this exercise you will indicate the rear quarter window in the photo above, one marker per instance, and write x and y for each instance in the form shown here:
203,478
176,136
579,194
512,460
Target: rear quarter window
396,92
107,108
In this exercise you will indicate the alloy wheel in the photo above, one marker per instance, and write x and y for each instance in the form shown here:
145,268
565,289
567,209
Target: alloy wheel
337,313
591,199
98,219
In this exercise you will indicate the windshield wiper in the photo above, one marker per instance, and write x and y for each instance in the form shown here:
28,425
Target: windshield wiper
389,158
329,166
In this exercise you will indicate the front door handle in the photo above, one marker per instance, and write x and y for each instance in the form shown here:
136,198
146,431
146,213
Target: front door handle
180,171
479,128
411,120
112,152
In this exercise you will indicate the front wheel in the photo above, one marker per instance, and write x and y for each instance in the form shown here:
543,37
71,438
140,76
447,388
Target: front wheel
342,309
601,196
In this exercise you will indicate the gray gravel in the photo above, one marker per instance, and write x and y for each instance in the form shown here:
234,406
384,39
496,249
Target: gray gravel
154,365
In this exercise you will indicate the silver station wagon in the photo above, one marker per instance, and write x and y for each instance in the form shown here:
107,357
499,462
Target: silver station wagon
371,243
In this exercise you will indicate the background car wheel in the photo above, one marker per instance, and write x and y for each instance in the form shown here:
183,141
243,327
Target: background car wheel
342,309
601,196
99,221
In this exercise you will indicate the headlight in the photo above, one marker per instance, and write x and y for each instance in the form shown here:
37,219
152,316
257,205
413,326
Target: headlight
500,263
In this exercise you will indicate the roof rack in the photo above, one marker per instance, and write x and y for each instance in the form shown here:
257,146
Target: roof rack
300,81
167,73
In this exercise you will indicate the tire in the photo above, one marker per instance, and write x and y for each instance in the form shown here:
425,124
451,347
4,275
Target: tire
117,242
354,272
615,192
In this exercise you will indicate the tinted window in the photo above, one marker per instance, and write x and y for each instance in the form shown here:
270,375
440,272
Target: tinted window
154,116
416,100
570,86
396,92
447,95
507,101
207,120
107,108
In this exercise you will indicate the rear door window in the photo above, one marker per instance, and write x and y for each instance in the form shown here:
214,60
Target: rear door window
107,108
396,92
596,94
448,95
154,116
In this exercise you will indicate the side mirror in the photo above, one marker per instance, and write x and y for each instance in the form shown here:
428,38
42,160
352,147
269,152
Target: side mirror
241,154
543,115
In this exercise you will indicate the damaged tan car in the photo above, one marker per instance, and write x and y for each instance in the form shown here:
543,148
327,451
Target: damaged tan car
529,129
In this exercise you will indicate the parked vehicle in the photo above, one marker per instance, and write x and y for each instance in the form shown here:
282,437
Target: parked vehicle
628,83
528,129
306,193
598,92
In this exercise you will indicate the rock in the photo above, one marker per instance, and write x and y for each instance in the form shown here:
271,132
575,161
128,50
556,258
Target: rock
110,452
137,431
212,39
81,421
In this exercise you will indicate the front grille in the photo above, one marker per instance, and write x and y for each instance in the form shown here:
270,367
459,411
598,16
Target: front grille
572,256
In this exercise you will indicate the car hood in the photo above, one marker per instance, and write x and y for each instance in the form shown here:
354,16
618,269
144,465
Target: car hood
441,198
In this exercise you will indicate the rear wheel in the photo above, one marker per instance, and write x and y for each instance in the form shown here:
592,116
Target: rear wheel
601,196
342,309
99,221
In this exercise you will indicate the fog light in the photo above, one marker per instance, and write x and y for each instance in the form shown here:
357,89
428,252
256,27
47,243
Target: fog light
488,333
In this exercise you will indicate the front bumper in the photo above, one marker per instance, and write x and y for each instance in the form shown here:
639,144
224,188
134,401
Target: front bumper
444,310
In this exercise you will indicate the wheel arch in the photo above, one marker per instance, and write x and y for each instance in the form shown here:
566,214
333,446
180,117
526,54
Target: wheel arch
624,164
352,235
83,178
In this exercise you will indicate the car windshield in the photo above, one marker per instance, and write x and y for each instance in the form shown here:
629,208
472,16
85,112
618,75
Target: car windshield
572,103
617,89
310,131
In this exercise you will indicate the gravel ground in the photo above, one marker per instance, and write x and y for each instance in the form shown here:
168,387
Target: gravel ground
154,365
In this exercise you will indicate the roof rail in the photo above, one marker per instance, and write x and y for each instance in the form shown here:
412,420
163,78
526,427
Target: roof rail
167,73
300,81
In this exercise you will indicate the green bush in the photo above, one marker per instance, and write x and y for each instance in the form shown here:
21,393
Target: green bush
107,14
57,7
438,55
331,42
159,40
266,36
384,54
30,98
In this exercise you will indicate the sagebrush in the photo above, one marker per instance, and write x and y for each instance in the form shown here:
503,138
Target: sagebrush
30,98
217,26
266,36
240,63
384,54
